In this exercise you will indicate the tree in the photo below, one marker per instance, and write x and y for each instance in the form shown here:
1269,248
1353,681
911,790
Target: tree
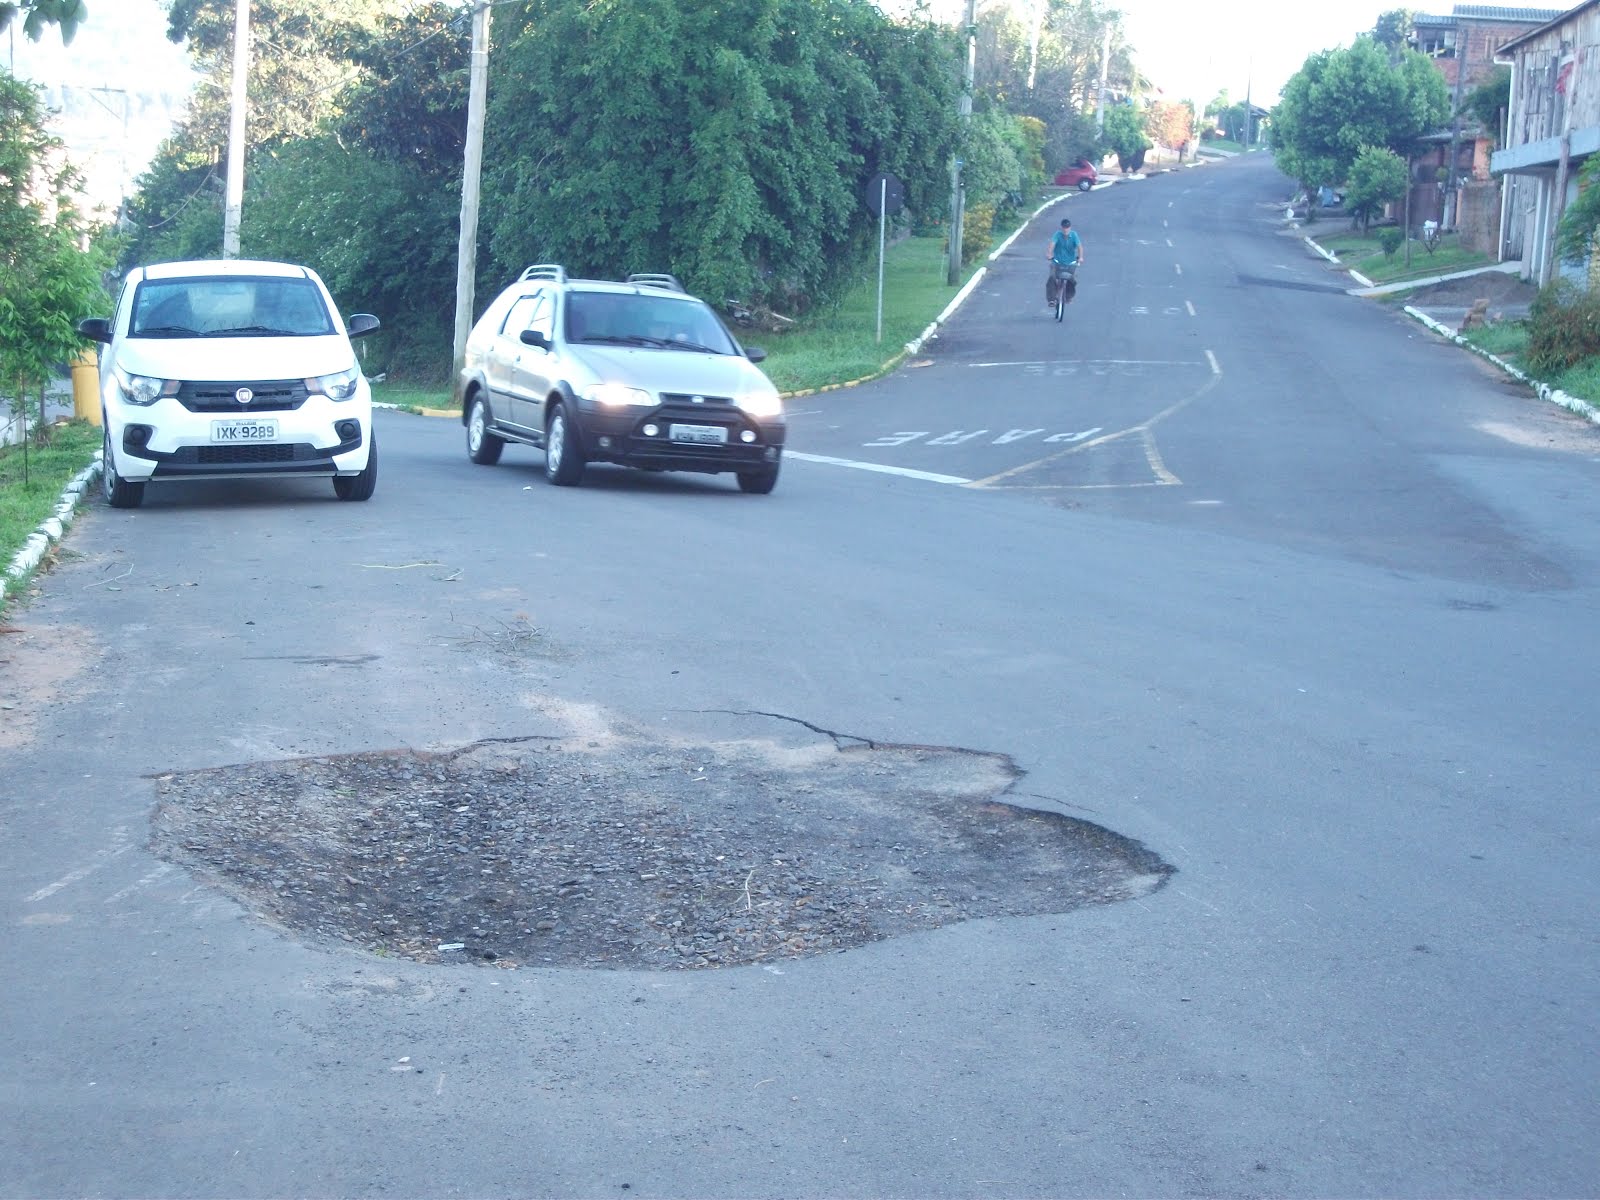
1491,98
1169,123
1066,75
1125,137
65,15
306,56
665,137
1392,31
48,281
1341,101
1377,177
1575,235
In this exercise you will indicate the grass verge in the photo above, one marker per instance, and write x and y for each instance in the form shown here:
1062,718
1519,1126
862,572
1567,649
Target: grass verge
1361,252
843,345
26,503
1508,341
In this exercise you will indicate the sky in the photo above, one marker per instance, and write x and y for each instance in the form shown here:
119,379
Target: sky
1192,50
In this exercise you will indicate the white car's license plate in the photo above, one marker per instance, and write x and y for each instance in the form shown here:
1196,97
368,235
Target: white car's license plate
244,431
711,435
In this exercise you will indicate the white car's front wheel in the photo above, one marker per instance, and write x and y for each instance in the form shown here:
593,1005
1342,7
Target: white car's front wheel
359,487
119,492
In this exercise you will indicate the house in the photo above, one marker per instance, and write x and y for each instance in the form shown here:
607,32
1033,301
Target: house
1450,180
1554,126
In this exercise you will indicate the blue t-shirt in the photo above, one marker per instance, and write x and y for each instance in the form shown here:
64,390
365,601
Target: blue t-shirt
1064,247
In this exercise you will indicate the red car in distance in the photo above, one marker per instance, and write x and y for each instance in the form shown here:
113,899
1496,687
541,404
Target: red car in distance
1080,175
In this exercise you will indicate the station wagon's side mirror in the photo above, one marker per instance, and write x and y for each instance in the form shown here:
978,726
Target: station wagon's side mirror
361,324
532,337
755,354
96,329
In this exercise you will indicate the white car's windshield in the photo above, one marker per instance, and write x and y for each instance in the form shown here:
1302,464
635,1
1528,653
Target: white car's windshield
235,306
656,322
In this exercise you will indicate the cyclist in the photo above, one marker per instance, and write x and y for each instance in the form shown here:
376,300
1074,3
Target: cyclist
1066,254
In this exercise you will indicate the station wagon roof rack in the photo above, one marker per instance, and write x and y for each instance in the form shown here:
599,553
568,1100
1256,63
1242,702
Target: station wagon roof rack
553,271
669,282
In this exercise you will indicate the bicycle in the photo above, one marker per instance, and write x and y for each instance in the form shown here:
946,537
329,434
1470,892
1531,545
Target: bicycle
1064,285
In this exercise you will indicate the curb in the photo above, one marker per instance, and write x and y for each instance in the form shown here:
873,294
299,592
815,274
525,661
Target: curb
51,531
1543,390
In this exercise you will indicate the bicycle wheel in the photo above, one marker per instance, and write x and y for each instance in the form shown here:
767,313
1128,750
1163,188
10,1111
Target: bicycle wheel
1061,300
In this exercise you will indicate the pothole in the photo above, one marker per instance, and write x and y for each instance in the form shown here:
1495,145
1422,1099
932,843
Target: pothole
635,853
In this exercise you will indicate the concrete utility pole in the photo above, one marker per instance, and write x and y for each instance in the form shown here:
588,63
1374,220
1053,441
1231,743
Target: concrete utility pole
1105,69
1033,53
233,204
471,177
958,192
1447,219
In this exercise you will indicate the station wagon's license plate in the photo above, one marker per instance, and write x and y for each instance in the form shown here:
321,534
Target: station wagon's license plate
244,431
710,435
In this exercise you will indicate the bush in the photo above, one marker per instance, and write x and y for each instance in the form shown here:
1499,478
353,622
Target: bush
1390,241
977,232
1563,327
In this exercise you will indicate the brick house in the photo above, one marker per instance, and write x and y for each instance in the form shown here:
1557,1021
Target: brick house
1554,126
1465,46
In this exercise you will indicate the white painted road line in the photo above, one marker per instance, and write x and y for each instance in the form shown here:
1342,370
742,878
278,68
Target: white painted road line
880,468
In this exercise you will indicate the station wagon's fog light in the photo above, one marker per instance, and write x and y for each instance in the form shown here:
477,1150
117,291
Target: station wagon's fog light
651,430
348,431
605,443
748,436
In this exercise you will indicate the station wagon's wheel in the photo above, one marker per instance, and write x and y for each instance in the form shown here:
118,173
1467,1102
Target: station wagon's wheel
359,487
759,482
563,456
118,491
483,447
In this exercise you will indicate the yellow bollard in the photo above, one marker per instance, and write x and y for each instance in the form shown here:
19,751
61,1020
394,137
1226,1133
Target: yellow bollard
86,386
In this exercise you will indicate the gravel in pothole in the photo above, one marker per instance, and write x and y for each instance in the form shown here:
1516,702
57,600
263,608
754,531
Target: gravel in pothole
635,854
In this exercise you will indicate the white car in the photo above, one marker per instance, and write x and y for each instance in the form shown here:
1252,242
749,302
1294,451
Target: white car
231,369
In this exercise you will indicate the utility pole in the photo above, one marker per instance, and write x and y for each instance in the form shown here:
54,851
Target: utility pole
958,192
233,204
471,177
1249,113
1448,216
1033,53
1105,69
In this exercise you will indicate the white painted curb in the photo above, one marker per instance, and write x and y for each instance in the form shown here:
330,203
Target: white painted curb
1543,390
52,530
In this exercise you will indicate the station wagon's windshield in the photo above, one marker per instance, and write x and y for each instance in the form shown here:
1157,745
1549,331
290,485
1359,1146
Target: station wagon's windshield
231,306
628,319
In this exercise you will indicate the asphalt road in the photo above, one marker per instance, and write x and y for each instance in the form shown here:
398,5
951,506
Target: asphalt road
1256,573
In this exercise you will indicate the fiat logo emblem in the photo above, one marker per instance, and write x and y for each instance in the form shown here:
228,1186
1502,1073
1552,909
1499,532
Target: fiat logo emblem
244,395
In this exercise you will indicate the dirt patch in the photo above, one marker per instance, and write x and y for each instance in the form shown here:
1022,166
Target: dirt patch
36,665
635,853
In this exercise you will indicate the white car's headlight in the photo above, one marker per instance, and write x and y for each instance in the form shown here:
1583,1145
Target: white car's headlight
339,386
763,402
144,390
617,395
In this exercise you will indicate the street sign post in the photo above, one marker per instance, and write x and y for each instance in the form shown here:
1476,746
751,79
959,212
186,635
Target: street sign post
886,195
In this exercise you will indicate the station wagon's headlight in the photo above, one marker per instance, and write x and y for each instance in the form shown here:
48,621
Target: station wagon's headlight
339,386
617,395
144,390
763,402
